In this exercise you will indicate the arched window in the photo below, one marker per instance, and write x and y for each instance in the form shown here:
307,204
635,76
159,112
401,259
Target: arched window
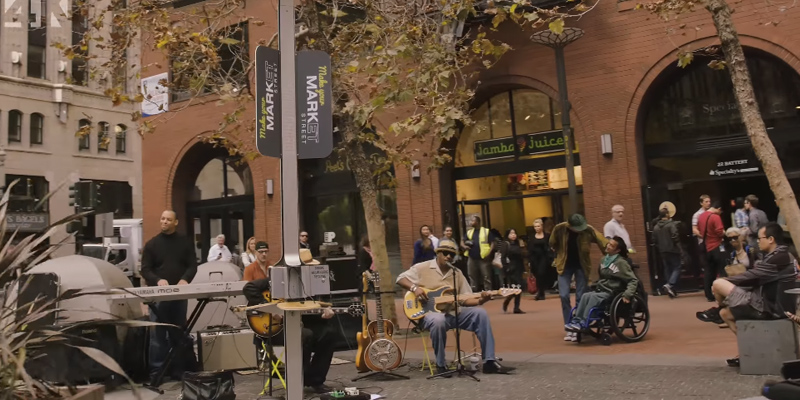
84,134
121,131
223,178
691,121
37,128
513,113
14,126
103,138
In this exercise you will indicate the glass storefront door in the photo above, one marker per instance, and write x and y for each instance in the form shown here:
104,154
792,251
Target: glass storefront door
232,217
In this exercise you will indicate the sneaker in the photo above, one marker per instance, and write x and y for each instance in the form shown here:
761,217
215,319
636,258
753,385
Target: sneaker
710,315
574,337
568,337
671,293
319,389
733,362
441,370
494,367
572,327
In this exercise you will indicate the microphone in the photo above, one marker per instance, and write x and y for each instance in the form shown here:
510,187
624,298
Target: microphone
450,265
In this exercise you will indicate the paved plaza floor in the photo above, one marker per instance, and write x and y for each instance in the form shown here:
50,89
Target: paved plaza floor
681,358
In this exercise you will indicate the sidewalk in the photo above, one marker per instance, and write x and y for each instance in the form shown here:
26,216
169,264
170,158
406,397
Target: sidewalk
676,337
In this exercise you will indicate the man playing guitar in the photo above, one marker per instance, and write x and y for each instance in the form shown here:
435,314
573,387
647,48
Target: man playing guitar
316,338
435,274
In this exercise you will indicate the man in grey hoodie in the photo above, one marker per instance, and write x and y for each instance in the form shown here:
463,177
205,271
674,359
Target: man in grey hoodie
667,241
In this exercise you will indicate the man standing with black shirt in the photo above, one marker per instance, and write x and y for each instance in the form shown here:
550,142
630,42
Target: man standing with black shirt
316,339
168,259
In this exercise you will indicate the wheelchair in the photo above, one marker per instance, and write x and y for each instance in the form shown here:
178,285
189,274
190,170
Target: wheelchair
628,321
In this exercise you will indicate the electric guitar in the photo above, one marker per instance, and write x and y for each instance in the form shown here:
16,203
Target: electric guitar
439,300
362,338
383,353
266,325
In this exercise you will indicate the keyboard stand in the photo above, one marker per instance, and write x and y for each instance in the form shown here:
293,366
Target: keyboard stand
193,317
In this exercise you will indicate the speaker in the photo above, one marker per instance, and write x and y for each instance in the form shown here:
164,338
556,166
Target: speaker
345,277
62,364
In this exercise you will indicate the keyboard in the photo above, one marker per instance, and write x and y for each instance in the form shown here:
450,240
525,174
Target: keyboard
179,292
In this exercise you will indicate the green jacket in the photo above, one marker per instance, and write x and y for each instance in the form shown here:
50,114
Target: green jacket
558,241
616,277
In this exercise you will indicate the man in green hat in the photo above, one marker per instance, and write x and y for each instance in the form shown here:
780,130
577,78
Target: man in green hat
571,241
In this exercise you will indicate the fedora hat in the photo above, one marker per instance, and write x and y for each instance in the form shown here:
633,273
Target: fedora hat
307,258
669,206
577,222
447,245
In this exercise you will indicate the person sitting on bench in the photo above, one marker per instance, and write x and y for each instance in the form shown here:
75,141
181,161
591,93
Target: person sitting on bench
754,293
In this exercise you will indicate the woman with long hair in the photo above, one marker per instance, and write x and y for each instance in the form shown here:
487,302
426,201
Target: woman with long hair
365,260
249,254
448,233
513,266
540,257
425,246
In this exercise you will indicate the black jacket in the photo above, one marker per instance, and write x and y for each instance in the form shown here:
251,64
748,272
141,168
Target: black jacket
777,266
666,236
169,257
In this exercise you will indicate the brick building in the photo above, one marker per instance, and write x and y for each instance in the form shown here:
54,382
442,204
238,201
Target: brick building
674,134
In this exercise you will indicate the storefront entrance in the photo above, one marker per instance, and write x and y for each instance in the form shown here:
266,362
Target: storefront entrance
694,144
509,166
212,195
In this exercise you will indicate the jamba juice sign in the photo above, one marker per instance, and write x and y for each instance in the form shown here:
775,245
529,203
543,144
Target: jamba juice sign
530,144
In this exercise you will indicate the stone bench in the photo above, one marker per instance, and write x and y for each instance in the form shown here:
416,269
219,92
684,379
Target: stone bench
765,345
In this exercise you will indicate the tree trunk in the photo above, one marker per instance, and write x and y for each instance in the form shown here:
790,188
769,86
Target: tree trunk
365,179
751,116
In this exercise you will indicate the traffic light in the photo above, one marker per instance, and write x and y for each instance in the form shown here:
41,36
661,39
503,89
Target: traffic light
75,195
74,226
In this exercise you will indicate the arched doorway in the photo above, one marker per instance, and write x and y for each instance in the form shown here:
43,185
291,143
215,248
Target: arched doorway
213,194
693,142
509,167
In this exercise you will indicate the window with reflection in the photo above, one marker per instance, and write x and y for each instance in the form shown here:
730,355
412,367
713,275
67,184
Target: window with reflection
222,178
122,133
84,134
102,136
37,128
28,194
692,122
14,126
513,113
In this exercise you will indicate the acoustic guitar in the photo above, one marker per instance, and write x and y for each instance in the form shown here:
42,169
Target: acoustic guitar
439,300
362,338
382,353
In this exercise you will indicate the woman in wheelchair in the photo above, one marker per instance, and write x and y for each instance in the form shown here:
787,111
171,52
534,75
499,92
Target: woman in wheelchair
616,276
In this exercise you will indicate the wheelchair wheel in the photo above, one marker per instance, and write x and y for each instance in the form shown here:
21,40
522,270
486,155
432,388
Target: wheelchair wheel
629,321
605,339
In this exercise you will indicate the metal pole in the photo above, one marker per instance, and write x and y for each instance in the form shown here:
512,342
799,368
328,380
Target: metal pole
565,126
289,188
289,192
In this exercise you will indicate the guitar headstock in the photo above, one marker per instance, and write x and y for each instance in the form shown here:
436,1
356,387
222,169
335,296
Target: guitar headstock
513,290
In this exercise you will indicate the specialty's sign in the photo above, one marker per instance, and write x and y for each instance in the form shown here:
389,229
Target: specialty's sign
268,101
27,222
735,167
314,105
530,144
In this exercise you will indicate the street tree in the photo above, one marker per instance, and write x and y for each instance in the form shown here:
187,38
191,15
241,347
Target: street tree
732,59
404,74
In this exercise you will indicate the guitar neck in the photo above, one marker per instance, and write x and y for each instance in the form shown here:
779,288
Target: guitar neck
462,297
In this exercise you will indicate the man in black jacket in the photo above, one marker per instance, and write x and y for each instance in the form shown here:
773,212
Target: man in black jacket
754,293
668,243
316,339
168,259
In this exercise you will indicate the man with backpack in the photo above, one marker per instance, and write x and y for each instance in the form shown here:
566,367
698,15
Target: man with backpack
667,240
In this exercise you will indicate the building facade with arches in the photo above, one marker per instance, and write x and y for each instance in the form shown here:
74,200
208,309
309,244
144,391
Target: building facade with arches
670,128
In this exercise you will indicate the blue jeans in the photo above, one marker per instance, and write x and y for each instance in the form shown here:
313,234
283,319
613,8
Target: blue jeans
672,268
564,281
473,319
587,302
163,338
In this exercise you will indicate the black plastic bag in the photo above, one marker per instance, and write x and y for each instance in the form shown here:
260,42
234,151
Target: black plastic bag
208,386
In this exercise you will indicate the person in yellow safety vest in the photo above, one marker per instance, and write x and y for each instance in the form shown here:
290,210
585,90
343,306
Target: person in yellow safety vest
479,246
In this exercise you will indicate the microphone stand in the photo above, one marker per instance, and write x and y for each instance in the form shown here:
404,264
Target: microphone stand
460,370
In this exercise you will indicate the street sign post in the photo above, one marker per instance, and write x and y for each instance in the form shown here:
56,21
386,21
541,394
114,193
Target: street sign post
268,104
314,105
285,94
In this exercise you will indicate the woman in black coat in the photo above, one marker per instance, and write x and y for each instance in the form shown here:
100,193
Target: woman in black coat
541,259
513,266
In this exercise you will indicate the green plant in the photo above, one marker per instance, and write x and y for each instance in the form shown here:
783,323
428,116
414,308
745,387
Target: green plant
22,333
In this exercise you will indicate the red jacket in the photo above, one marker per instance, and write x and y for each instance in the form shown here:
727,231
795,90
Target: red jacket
710,224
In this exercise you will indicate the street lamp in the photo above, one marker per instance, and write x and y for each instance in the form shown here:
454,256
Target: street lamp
558,42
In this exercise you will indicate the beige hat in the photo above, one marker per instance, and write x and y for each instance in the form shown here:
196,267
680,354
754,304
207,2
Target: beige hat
307,258
669,206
